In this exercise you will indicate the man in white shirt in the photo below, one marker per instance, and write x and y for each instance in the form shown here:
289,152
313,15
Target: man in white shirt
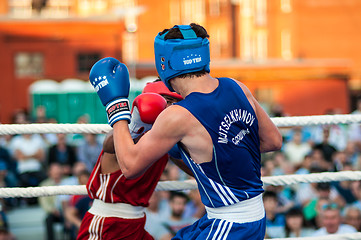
331,221
296,150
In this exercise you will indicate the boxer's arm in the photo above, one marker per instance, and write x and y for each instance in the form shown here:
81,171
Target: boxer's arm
270,136
135,159
146,108
108,143
181,165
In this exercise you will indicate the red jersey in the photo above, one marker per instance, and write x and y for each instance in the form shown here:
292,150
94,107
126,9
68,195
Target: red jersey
115,188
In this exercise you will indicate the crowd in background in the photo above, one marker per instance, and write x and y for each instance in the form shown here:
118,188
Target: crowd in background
313,209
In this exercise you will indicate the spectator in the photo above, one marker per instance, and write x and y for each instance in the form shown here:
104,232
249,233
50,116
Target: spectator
275,222
285,198
353,154
330,218
194,208
268,167
40,115
28,152
78,168
89,150
356,190
319,161
326,148
352,217
275,163
305,166
62,153
344,188
296,150
9,166
154,217
3,173
53,212
175,222
283,166
336,136
316,223
355,129
76,214
295,224
323,191
307,191
77,138
5,141
341,161
173,172
77,206
20,116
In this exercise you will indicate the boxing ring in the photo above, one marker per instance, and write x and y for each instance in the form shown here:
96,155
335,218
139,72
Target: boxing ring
11,129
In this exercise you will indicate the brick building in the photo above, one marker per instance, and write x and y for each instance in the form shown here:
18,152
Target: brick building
303,55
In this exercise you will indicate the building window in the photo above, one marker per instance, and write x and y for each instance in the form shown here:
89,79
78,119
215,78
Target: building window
261,12
29,64
286,6
219,44
214,8
193,11
123,3
86,61
174,8
130,48
286,50
43,8
57,9
20,8
261,44
90,7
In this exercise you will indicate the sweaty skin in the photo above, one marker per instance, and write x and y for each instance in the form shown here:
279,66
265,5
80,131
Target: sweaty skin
176,124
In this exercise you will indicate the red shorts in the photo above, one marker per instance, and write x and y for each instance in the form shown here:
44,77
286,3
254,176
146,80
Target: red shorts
95,227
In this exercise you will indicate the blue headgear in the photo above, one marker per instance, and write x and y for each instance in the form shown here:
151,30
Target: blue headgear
174,57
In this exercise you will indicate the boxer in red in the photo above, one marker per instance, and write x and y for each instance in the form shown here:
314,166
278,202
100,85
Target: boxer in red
118,208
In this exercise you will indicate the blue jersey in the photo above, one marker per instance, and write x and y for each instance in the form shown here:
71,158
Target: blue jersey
234,173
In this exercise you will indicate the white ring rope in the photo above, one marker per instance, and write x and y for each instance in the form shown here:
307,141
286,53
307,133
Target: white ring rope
183,185
317,120
11,129
42,191
347,236
312,177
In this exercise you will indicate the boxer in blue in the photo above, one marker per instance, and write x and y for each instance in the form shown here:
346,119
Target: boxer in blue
219,129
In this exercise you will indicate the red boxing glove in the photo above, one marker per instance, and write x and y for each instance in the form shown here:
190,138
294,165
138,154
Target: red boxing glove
145,110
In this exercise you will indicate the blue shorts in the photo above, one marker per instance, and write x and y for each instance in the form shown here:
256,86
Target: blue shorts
206,228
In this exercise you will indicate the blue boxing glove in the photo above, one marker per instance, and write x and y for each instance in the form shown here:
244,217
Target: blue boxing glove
110,79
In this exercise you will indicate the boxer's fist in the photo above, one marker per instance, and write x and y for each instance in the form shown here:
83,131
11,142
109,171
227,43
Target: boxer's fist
110,79
146,108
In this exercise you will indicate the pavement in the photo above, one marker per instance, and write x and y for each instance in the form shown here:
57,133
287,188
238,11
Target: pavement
28,223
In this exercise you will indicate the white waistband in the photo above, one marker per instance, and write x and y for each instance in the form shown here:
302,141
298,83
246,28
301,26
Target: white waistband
120,210
249,210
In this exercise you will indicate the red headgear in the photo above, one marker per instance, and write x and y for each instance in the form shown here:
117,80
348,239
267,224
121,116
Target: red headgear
160,88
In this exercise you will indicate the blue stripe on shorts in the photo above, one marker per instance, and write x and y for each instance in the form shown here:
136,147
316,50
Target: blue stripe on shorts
218,229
